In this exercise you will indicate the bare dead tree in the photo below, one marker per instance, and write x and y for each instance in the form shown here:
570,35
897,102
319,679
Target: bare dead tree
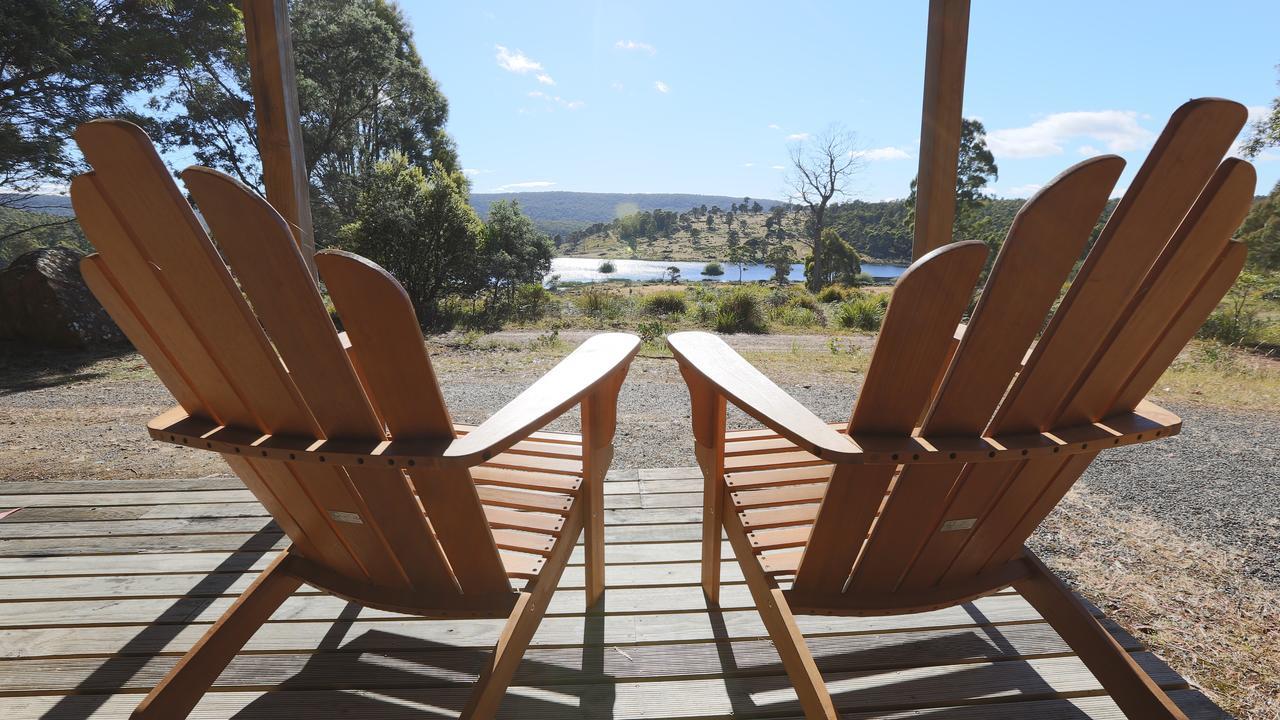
821,167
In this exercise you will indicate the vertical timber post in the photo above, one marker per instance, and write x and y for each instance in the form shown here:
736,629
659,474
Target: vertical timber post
940,123
275,107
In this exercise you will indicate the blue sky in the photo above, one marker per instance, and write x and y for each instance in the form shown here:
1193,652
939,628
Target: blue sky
705,98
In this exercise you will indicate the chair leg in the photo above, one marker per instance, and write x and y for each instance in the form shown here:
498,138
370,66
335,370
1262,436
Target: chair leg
1128,684
778,619
188,681
523,622
712,508
592,493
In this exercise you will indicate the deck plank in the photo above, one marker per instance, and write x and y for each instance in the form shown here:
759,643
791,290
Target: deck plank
104,583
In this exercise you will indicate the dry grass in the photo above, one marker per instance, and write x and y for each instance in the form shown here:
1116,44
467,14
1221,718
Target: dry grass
1187,600
1209,373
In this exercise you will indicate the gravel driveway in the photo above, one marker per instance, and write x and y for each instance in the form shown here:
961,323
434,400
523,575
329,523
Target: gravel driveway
1218,481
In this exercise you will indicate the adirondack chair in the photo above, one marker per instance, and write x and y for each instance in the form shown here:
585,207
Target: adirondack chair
345,439
958,447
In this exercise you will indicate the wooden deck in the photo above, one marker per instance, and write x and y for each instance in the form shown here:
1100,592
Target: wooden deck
104,583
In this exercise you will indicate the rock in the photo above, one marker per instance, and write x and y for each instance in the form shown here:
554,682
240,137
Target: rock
43,299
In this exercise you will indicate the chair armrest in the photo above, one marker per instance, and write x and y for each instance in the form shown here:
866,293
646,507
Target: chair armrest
592,363
758,396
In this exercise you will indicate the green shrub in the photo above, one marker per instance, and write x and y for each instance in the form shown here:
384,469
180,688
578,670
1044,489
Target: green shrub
1239,319
739,310
651,332
796,316
804,299
531,301
665,302
606,267
601,304
865,313
835,293
1232,328
712,269
547,340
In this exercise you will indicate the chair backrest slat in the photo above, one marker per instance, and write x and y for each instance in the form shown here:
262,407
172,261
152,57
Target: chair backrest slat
914,340
135,280
1181,268
1180,164
1160,265
260,250
99,281
162,229
165,338
1187,319
387,343
1179,167
1043,243
1184,327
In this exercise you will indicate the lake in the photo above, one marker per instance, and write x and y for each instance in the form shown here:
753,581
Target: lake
577,269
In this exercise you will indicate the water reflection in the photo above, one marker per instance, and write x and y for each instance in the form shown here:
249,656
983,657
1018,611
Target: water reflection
576,269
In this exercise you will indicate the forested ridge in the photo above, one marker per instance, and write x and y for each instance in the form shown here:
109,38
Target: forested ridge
878,231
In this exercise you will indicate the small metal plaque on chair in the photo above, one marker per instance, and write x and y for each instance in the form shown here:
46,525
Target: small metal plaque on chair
346,517
955,525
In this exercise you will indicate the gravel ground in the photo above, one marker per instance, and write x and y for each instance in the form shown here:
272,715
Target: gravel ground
1219,481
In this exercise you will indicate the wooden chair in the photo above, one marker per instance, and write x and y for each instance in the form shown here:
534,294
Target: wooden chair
346,440
878,516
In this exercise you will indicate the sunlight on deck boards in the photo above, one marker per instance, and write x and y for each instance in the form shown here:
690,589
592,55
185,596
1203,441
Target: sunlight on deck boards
104,584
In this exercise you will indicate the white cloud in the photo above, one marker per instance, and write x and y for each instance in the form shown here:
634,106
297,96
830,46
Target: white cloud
616,85
883,153
1088,150
472,172
1117,129
774,126
748,164
526,185
661,87
798,136
636,46
777,167
556,100
1020,191
521,64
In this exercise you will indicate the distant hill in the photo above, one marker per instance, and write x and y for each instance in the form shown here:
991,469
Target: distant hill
560,213
50,230
47,204
879,231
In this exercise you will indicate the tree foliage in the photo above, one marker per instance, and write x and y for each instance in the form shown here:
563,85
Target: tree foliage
63,62
1265,132
420,227
512,253
820,171
840,262
1261,232
362,90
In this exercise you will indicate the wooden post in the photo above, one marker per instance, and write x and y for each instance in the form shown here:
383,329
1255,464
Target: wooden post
275,106
940,123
